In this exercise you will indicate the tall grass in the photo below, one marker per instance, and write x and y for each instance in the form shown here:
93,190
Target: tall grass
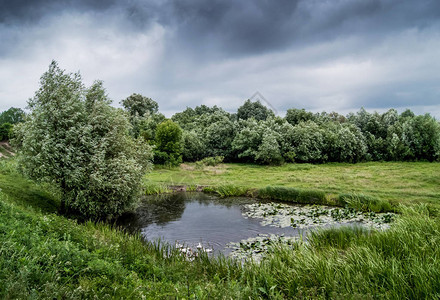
400,263
365,203
152,188
293,195
228,190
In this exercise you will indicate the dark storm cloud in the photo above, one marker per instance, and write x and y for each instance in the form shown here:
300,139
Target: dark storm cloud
248,26
30,11
316,54
257,26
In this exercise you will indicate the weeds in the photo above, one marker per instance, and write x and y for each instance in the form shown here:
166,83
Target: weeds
227,190
151,188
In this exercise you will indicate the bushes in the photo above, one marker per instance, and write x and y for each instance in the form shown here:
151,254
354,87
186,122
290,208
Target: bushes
168,144
210,161
5,131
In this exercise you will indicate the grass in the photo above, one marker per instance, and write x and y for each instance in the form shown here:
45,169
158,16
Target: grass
152,188
45,255
400,263
394,182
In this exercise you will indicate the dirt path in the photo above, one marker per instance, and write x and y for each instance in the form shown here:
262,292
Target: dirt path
7,148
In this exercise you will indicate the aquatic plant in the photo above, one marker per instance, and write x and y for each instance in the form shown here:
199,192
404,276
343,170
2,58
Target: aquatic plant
284,215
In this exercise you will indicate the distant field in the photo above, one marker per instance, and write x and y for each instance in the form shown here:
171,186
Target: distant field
404,182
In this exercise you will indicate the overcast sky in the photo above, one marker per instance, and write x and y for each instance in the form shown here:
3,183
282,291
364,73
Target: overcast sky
320,55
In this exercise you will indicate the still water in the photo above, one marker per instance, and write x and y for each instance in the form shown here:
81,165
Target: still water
193,218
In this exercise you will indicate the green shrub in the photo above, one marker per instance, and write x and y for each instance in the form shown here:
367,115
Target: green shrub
212,161
168,143
5,131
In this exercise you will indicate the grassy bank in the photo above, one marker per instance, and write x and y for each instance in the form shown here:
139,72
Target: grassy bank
44,255
395,182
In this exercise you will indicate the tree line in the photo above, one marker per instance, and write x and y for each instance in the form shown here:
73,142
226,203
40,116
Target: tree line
255,135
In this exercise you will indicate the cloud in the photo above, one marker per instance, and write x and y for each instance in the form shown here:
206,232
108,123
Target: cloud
319,55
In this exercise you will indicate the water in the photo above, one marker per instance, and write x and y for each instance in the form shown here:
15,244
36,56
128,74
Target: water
192,218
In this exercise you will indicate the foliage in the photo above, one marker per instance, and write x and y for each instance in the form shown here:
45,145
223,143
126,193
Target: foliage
308,141
75,139
343,143
254,110
12,116
147,125
227,190
269,151
194,147
211,161
151,188
138,105
295,116
5,131
168,144
219,136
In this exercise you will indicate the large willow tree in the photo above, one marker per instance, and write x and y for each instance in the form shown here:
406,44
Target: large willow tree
75,139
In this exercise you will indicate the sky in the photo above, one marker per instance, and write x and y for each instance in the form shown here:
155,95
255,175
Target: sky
321,55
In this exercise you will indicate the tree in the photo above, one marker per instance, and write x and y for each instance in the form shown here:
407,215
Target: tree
309,142
5,131
144,115
294,116
254,110
168,144
138,105
344,142
147,126
219,136
12,116
194,147
74,139
269,151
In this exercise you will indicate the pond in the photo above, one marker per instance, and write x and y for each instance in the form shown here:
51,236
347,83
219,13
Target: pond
222,225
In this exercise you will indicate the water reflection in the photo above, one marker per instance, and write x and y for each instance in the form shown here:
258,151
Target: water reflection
192,218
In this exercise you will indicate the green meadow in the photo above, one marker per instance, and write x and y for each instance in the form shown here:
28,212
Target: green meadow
44,255
398,182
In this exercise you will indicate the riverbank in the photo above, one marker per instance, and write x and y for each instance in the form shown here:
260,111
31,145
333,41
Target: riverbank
408,183
45,255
